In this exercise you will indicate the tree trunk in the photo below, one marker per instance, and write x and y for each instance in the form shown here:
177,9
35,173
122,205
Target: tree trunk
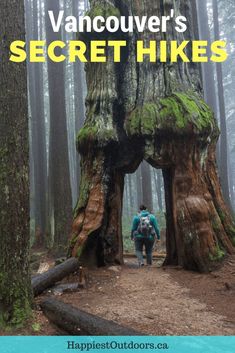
158,186
207,68
131,196
147,186
223,124
139,187
144,111
35,71
79,104
60,199
78,322
15,297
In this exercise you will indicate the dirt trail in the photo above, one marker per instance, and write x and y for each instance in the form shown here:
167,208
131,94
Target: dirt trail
162,302
154,300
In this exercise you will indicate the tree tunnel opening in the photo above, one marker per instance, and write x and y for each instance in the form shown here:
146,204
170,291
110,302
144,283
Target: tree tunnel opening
198,226
152,187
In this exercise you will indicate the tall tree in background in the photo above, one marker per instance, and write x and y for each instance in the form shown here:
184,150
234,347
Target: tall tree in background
60,199
207,68
40,99
131,114
158,187
147,186
227,20
36,89
15,287
223,125
138,178
79,107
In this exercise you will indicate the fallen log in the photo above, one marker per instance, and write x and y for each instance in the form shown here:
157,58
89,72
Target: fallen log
62,288
78,322
54,275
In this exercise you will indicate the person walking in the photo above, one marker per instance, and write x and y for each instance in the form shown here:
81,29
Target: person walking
144,231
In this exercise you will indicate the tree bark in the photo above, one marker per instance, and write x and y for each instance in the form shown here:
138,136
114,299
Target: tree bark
78,322
35,71
158,186
223,123
79,104
132,116
60,199
147,186
139,187
207,68
15,297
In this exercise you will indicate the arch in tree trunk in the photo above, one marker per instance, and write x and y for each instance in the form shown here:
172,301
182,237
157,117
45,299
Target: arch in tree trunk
151,112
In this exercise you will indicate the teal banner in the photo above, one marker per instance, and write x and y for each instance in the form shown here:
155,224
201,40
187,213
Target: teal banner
69,344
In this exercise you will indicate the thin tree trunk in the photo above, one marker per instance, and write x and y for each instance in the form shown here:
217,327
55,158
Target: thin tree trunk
79,104
139,187
223,124
59,178
131,197
158,185
207,68
147,186
15,298
38,127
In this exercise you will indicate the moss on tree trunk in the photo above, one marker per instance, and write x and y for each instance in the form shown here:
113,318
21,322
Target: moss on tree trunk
154,112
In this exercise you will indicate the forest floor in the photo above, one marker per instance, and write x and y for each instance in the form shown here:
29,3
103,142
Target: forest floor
154,300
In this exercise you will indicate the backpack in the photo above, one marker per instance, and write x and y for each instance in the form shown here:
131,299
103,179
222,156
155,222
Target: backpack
145,227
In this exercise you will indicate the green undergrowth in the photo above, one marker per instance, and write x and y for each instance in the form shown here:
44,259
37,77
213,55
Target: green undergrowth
177,112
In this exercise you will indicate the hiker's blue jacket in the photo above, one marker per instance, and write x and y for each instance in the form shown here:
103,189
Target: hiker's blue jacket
153,221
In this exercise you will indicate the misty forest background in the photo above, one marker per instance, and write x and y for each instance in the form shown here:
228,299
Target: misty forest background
57,111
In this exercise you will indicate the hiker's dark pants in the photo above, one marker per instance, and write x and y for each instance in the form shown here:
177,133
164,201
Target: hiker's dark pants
148,243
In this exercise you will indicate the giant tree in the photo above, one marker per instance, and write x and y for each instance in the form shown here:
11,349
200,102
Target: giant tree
15,289
153,112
